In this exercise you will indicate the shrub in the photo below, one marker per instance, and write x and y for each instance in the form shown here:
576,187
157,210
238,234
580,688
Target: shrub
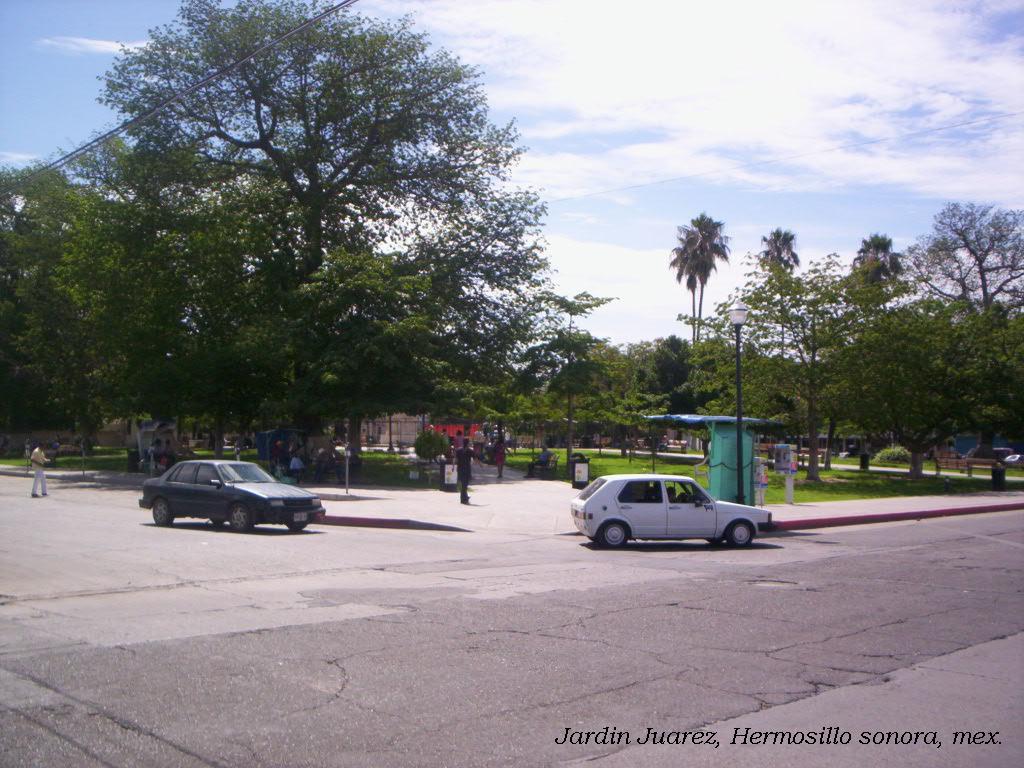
430,444
894,454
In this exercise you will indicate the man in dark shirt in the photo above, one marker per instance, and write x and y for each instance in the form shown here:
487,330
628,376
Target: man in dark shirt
463,464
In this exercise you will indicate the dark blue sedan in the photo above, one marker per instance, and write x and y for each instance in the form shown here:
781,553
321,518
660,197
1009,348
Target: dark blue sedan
234,492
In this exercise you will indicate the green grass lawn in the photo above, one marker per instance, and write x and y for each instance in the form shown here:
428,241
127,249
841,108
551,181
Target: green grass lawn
835,485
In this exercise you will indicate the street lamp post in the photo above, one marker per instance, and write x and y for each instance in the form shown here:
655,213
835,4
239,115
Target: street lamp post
738,316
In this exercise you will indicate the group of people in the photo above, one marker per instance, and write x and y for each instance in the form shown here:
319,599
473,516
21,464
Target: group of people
287,460
160,455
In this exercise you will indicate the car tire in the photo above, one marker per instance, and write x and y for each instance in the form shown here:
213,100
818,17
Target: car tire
739,534
296,527
240,518
612,535
162,513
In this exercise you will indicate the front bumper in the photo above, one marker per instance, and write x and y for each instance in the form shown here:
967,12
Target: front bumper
145,504
285,515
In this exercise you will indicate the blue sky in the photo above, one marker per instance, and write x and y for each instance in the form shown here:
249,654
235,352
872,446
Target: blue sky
611,96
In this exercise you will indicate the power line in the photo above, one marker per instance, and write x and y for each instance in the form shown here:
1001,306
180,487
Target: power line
61,161
786,158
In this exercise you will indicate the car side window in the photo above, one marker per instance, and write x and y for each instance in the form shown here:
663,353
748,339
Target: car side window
205,474
641,492
183,474
679,493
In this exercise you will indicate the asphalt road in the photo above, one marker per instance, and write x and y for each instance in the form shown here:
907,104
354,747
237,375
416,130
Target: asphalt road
123,644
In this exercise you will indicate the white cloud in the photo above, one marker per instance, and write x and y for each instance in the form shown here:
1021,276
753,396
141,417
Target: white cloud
648,298
615,95
85,45
16,158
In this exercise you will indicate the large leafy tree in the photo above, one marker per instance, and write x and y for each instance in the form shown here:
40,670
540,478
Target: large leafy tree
358,122
43,382
702,244
910,367
813,311
974,254
566,362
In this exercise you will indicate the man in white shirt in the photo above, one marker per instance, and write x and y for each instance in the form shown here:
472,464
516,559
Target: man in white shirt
38,460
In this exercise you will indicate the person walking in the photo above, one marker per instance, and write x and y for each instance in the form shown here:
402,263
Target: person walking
463,464
499,456
295,468
39,461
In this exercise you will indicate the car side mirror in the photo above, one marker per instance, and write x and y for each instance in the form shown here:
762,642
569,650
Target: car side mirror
698,502
216,482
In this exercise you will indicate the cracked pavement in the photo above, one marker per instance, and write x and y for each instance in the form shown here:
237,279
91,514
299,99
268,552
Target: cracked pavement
122,644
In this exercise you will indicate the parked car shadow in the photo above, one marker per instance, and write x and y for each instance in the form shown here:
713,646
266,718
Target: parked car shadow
259,530
695,545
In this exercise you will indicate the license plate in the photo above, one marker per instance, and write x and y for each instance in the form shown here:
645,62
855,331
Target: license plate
301,517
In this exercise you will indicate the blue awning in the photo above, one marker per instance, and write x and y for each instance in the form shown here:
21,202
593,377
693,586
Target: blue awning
702,420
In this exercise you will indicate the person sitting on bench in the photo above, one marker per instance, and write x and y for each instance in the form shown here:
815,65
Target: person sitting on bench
543,461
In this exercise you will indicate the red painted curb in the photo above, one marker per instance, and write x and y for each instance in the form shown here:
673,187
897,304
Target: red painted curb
890,517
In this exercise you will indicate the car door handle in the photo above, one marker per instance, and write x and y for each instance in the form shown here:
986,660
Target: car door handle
625,506
675,507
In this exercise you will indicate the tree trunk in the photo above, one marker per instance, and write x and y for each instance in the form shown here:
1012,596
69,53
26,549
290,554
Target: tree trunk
812,446
828,442
355,425
916,464
700,311
568,442
693,316
218,431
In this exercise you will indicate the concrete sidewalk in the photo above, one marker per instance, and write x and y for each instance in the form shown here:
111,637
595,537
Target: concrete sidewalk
514,505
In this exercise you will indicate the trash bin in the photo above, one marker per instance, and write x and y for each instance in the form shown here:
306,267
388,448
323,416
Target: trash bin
865,462
998,478
133,460
449,476
579,470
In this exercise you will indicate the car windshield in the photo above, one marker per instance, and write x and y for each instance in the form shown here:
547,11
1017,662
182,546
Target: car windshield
244,472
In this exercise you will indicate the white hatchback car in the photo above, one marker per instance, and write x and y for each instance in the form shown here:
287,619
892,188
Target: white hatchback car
616,508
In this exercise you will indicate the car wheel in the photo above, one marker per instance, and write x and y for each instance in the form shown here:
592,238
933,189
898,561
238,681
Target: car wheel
162,512
612,535
241,518
740,534
296,527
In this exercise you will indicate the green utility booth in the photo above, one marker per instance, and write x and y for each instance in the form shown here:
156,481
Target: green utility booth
722,462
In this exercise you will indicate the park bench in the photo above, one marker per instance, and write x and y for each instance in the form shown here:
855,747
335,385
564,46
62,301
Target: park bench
960,465
543,469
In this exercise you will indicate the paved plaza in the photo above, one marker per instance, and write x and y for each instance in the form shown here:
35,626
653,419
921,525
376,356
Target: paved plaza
487,634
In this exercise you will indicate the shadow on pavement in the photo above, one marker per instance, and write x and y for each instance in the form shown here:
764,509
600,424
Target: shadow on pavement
696,545
257,531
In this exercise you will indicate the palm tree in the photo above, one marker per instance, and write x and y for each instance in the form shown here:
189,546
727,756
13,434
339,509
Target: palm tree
701,245
682,263
778,249
877,258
